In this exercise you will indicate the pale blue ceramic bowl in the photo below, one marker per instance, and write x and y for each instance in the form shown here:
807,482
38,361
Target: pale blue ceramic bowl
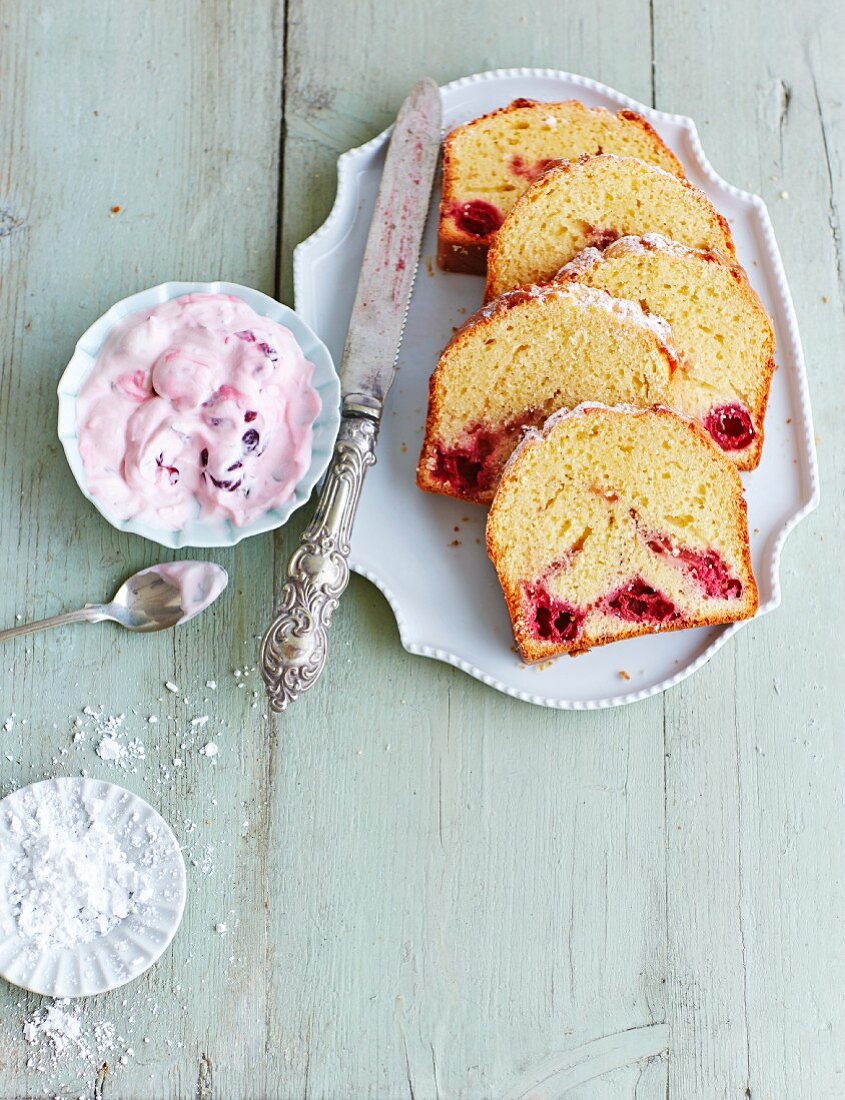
205,532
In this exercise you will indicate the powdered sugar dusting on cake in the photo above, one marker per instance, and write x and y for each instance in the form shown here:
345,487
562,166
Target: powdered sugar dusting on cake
587,158
591,406
532,435
586,296
630,311
657,242
630,245
649,242
579,265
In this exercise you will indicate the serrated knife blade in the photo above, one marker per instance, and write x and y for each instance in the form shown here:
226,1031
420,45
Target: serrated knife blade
295,647
392,252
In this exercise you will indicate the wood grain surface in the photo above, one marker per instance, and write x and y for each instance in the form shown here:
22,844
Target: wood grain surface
429,890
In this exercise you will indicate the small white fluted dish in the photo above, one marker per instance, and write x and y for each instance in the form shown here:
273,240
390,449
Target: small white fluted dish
426,553
136,942
204,532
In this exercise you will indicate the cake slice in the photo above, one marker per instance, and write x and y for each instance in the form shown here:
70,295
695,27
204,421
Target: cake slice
488,164
523,357
614,522
722,333
592,201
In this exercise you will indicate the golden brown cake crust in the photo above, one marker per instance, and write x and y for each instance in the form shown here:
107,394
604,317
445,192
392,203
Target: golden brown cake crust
603,235
455,254
466,253
532,649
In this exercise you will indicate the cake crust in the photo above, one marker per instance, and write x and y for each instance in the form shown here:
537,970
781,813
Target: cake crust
590,187
465,235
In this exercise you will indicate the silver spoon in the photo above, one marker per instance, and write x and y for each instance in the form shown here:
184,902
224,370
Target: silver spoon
154,599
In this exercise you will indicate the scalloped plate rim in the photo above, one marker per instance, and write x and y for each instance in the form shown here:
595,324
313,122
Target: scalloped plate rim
347,178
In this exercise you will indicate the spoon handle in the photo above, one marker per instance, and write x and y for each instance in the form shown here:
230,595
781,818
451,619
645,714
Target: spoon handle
91,614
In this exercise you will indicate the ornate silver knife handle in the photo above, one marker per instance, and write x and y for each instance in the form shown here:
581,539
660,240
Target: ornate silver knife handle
294,649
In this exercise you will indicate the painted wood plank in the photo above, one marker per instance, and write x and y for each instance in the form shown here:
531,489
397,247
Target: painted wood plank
171,111
754,817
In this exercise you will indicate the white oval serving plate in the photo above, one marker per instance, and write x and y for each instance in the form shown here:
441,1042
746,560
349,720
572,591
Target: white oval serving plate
136,942
426,553
205,532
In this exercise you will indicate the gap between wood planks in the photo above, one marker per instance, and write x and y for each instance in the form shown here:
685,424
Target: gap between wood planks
832,216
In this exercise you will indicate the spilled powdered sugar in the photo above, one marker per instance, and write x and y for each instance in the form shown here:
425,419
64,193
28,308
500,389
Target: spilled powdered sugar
59,1033
67,1042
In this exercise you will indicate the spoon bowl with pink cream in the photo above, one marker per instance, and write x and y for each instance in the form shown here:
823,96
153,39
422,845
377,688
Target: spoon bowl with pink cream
197,414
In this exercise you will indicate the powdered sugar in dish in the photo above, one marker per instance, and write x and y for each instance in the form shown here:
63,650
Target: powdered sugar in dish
74,880
88,872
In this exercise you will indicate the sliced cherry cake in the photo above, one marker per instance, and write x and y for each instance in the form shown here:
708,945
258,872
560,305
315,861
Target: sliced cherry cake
592,201
489,163
614,522
722,333
520,359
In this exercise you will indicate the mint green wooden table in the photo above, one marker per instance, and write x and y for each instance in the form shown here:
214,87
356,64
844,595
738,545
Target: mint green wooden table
429,890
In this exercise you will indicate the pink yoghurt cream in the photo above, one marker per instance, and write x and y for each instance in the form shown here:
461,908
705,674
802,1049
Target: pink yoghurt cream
198,583
197,409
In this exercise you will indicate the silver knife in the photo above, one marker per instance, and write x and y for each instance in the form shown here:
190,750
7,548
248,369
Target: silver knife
294,649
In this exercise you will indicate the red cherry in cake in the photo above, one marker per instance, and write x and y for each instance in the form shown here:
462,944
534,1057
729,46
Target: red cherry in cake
706,567
250,415
476,218
730,426
553,620
466,468
637,602
460,470
601,238
475,464
531,170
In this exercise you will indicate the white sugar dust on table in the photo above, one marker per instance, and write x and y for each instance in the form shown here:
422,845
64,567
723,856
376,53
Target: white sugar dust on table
61,1038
